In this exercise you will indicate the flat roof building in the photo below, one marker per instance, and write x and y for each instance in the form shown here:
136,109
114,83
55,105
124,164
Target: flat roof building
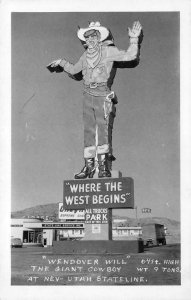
35,232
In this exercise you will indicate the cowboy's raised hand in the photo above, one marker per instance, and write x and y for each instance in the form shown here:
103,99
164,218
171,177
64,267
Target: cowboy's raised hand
135,30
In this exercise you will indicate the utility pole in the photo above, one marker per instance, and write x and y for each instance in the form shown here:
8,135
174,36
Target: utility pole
136,211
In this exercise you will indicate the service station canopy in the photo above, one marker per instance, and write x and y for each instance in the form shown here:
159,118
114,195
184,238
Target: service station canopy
99,193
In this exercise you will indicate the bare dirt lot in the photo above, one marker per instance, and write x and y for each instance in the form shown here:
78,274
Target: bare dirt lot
39,266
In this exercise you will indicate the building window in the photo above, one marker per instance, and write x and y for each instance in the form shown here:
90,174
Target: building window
25,236
32,236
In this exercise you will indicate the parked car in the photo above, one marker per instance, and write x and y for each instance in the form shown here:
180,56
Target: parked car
16,242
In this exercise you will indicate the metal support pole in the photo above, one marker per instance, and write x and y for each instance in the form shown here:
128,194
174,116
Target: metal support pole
110,224
136,211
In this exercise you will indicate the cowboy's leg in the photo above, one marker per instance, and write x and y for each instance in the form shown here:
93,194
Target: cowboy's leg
105,120
102,125
89,138
89,126
111,118
103,137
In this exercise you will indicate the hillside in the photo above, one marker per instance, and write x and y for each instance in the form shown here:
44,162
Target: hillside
50,211
39,210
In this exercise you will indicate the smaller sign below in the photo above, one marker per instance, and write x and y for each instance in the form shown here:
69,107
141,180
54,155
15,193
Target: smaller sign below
96,228
69,214
96,216
62,225
146,210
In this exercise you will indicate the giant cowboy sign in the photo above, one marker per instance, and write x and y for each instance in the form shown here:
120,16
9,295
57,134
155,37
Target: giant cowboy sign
98,66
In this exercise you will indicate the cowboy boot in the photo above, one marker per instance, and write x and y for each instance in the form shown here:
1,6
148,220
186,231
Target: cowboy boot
88,170
103,166
110,160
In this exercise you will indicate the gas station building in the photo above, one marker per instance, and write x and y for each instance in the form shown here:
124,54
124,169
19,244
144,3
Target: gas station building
35,232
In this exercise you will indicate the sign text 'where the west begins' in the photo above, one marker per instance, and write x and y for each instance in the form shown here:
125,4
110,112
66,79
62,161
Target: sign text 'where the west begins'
95,193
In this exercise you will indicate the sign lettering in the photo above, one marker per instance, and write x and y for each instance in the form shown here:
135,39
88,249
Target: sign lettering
96,216
146,210
98,193
61,225
69,214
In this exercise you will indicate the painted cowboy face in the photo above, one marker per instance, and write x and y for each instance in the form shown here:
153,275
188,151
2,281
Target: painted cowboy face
92,38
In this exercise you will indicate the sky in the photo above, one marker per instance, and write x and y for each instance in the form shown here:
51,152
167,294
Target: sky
47,125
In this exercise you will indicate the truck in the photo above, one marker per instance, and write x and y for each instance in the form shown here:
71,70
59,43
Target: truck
153,234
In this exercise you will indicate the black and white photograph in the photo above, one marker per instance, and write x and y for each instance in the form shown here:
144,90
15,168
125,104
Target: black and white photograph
98,151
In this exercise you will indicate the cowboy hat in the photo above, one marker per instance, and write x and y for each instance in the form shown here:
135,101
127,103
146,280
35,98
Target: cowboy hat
104,32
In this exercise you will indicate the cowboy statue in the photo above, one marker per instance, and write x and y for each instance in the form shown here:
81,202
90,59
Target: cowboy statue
97,67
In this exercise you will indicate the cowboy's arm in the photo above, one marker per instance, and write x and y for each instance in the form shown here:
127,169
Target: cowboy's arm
117,55
72,68
133,50
61,65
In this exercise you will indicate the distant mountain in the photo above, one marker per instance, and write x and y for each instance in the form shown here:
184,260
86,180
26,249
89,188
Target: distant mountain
50,211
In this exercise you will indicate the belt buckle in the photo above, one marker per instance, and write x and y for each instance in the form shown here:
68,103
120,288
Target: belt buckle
93,85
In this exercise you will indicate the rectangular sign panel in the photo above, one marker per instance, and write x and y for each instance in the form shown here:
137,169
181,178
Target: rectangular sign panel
96,216
146,210
69,214
61,225
99,193
96,228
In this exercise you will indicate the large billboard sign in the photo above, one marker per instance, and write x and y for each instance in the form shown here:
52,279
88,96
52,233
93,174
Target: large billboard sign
99,193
